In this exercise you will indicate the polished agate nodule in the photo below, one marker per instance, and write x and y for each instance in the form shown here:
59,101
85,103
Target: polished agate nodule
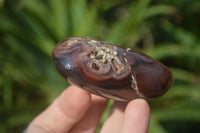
110,71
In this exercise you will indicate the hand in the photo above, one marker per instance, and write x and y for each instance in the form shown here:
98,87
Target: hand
77,111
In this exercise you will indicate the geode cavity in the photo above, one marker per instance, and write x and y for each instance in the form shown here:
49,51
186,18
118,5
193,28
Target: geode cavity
110,71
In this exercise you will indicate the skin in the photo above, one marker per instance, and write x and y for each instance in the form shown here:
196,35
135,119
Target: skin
77,111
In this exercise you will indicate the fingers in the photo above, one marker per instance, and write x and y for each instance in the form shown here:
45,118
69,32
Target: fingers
133,118
76,111
65,111
92,117
115,119
136,117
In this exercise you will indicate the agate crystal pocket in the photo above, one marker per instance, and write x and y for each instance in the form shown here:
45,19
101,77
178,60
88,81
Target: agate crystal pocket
110,71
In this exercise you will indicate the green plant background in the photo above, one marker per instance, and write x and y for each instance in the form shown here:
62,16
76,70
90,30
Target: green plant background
168,30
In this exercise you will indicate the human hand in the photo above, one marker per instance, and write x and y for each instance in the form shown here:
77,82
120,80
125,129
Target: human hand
77,111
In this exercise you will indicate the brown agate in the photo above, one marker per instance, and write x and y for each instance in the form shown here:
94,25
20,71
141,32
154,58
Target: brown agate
110,71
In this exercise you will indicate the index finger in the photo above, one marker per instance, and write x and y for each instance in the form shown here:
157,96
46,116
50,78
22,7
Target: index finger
136,117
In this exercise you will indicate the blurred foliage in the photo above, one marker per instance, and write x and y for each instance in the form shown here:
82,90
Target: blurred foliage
166,30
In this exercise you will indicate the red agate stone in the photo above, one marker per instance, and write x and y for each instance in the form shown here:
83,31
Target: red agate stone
110,71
